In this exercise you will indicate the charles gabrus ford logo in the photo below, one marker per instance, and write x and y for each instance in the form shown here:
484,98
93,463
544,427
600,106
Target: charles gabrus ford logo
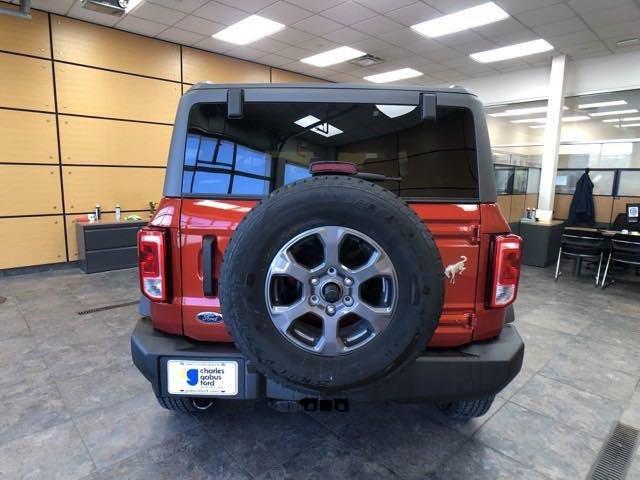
206,377
192,376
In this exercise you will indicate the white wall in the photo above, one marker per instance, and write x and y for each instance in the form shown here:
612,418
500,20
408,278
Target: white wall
611,72
531,84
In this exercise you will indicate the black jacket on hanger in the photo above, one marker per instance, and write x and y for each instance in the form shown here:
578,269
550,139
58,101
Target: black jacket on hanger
582,211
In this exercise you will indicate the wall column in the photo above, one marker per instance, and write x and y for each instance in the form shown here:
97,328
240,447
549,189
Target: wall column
552,133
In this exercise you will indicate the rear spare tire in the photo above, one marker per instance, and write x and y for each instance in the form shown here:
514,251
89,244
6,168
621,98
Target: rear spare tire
331,284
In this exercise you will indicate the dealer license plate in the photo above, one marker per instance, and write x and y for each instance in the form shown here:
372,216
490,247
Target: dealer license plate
198,377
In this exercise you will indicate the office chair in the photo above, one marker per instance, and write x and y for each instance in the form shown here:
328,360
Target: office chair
581,245
625,249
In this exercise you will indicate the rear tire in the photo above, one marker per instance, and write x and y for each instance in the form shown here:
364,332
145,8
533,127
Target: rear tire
185,405
467,409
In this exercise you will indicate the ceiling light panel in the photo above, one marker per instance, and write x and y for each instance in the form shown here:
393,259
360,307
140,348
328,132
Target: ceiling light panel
463,20
393,75
631,125
530,120
577,118
613,112
332,57
512,51
625,119
249,30
514,112
612,103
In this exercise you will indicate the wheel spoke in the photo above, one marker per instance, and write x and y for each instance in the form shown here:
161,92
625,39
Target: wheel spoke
378,265
377,317
331,238
329,344
284,316
284,264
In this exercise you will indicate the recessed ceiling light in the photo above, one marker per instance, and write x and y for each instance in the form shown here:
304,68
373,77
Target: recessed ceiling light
249,30
331,57
631,125
519,111
577,118
530,120
393,75
512,51
514,112
626,119
463,20
613,112
537,126
324,129
612,103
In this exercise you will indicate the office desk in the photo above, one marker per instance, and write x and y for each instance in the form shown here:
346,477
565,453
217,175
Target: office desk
106,246
540,242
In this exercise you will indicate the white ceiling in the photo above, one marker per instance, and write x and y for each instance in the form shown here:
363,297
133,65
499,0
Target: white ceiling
578,28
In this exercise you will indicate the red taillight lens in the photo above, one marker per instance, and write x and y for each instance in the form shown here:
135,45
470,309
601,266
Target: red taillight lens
506,270
152,258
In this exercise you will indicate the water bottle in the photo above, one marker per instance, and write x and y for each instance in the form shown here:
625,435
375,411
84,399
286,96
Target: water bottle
118,212
97,212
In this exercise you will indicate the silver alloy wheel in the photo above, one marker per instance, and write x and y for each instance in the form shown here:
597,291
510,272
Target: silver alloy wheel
331,290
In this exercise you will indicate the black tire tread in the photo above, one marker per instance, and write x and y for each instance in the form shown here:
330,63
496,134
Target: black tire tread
177,404
467,409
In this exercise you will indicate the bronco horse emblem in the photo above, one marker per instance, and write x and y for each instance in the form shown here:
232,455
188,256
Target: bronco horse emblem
454,269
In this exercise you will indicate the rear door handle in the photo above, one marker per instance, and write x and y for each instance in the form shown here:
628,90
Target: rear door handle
209,284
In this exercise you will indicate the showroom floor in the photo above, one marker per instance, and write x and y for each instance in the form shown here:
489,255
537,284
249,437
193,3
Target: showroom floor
73,405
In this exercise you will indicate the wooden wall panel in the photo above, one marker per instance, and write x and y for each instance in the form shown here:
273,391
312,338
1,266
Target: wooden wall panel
133,188
70,225
198,66
30,190
31,241
28,137
531,201
88,44
283,76
94,141
26,83
87,91
561,206
603,208
30,37
504,202
517,207
620,205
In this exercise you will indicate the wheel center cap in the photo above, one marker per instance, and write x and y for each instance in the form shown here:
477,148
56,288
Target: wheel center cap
331,292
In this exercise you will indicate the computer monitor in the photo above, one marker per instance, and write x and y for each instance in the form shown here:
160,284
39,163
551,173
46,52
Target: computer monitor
633,217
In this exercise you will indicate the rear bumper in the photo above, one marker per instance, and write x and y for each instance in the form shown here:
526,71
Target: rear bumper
476,370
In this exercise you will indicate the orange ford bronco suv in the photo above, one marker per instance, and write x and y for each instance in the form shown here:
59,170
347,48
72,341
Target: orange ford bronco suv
317,244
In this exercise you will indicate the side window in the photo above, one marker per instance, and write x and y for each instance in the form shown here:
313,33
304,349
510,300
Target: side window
218,166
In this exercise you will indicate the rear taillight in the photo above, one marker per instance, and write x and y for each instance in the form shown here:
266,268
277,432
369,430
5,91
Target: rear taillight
152,258
506,270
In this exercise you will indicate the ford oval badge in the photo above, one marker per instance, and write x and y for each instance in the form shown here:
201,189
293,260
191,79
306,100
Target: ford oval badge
209,317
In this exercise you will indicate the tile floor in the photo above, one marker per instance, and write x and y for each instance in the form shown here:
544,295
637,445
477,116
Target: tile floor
74,407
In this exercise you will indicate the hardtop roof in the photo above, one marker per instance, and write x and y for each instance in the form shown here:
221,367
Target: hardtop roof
208,85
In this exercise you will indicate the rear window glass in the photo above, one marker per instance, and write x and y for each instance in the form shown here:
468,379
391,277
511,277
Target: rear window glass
274,144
